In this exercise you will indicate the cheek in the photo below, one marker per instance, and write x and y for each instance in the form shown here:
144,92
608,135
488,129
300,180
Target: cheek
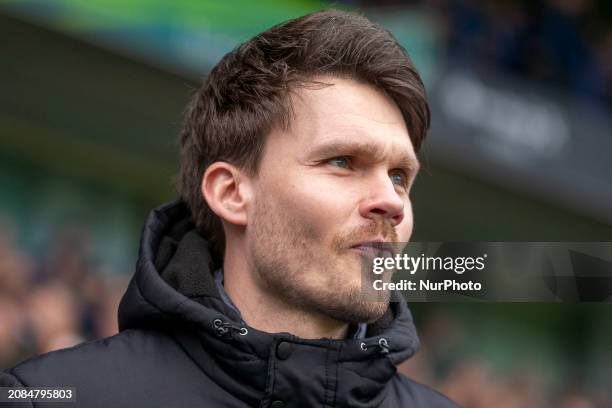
404,230
318,211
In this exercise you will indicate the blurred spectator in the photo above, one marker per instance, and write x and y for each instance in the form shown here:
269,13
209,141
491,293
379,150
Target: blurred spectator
11,332
53,314
15,266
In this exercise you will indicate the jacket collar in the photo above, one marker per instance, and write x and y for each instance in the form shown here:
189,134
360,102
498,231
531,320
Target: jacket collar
173,290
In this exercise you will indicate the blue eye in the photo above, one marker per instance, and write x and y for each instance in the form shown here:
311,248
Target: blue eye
399,178
341,161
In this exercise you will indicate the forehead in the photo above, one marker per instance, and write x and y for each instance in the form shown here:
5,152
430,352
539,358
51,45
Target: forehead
349,112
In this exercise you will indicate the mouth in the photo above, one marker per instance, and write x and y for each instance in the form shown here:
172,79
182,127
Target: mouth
374,249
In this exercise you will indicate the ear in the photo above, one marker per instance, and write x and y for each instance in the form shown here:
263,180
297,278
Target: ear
227,191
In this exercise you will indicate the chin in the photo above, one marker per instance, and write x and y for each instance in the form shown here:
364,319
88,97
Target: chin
352,306
366,312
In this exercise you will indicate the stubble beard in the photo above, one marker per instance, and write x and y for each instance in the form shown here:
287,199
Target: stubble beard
287,266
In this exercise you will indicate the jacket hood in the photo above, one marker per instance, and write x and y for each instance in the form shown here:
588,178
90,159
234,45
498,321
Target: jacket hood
173,290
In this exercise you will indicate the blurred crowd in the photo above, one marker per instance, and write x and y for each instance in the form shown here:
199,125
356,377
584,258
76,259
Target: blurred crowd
473,380
566,43
53,299
58,298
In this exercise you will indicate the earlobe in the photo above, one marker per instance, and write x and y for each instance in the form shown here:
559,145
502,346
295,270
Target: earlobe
223,188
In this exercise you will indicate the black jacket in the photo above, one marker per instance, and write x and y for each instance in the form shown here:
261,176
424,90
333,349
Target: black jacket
180,345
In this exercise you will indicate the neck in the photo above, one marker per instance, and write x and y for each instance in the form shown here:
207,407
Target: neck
269,313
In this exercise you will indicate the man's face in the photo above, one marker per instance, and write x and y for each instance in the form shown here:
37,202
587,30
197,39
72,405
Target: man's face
340,176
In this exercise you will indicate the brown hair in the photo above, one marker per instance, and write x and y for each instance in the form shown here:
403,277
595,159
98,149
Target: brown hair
248,93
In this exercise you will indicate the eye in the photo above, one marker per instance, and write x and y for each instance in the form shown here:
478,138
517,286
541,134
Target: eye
400,178
340,161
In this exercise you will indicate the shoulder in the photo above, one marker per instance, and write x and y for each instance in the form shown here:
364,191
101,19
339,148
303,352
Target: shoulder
414,394
107,356
133,368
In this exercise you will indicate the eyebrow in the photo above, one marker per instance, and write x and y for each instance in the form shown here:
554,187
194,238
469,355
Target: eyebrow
341,148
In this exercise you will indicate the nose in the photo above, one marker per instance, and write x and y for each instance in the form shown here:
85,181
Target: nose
382,200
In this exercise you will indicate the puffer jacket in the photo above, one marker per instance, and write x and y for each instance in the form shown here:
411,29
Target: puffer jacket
180,345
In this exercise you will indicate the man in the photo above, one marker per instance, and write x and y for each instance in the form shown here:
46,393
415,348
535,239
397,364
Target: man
297,158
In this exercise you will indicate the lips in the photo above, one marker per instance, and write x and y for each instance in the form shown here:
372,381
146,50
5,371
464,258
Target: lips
375,249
